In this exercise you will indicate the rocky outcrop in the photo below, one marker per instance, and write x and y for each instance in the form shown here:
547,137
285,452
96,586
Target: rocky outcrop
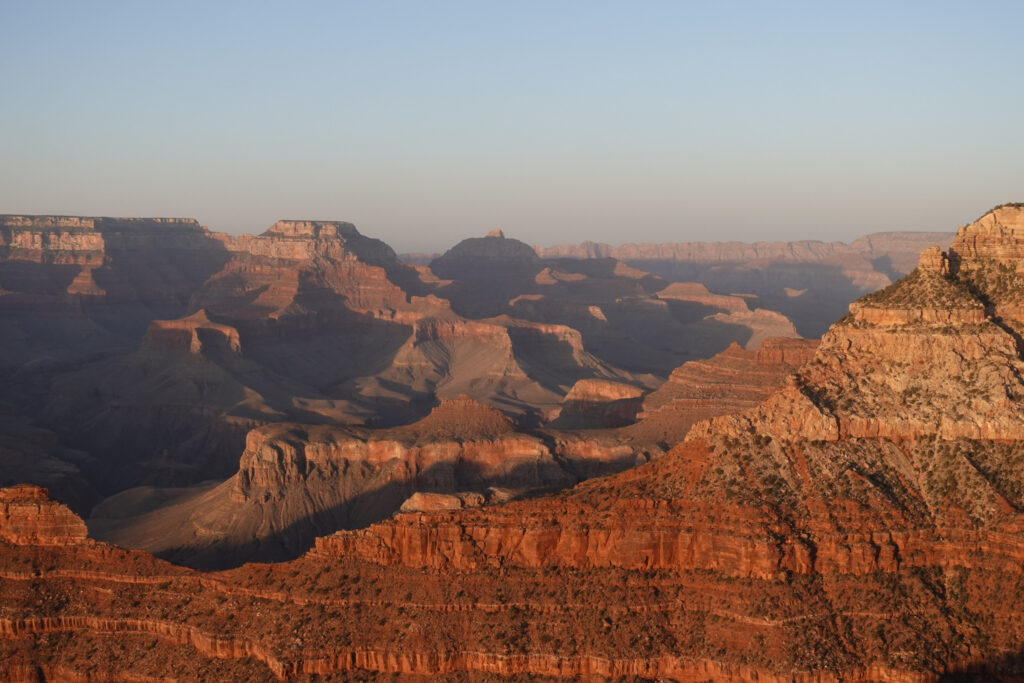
190,333
593,403
601,391
699,294
435,502
29,517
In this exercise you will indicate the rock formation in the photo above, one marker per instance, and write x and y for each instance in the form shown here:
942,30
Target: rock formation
858,524
151,347
28,517
730,382
598,403
809,282
297,481
863,523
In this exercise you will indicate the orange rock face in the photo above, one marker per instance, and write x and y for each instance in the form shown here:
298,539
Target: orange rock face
29,517
732,381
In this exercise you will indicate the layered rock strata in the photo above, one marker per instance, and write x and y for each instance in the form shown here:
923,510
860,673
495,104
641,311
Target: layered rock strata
297,481
732,381
154,345
863,524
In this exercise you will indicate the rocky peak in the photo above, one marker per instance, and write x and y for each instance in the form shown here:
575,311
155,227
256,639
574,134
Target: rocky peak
496,233
935,353
987,257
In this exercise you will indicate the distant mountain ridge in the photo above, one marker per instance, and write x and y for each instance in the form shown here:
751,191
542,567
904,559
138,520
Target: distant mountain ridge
811,282
905,246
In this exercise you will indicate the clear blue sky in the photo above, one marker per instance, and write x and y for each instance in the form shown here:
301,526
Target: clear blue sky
425,122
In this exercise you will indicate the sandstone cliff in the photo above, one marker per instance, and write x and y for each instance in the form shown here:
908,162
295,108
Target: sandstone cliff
29,517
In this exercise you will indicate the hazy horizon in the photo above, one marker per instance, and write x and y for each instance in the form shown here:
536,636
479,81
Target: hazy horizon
425,124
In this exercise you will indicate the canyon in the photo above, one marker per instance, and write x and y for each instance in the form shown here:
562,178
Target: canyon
144,358
849,509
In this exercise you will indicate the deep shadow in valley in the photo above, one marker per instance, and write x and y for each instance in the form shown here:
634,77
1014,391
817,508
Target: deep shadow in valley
375,505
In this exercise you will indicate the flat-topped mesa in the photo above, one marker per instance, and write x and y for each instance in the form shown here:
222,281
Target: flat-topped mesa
697,293
597,403
85,240
97,223
29,517
317,229
300,240
56,239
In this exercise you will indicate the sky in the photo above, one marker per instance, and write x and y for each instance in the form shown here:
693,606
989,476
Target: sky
428,122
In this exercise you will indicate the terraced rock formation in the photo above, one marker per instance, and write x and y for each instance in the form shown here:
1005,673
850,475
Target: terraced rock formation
153,346
732,381
298,481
